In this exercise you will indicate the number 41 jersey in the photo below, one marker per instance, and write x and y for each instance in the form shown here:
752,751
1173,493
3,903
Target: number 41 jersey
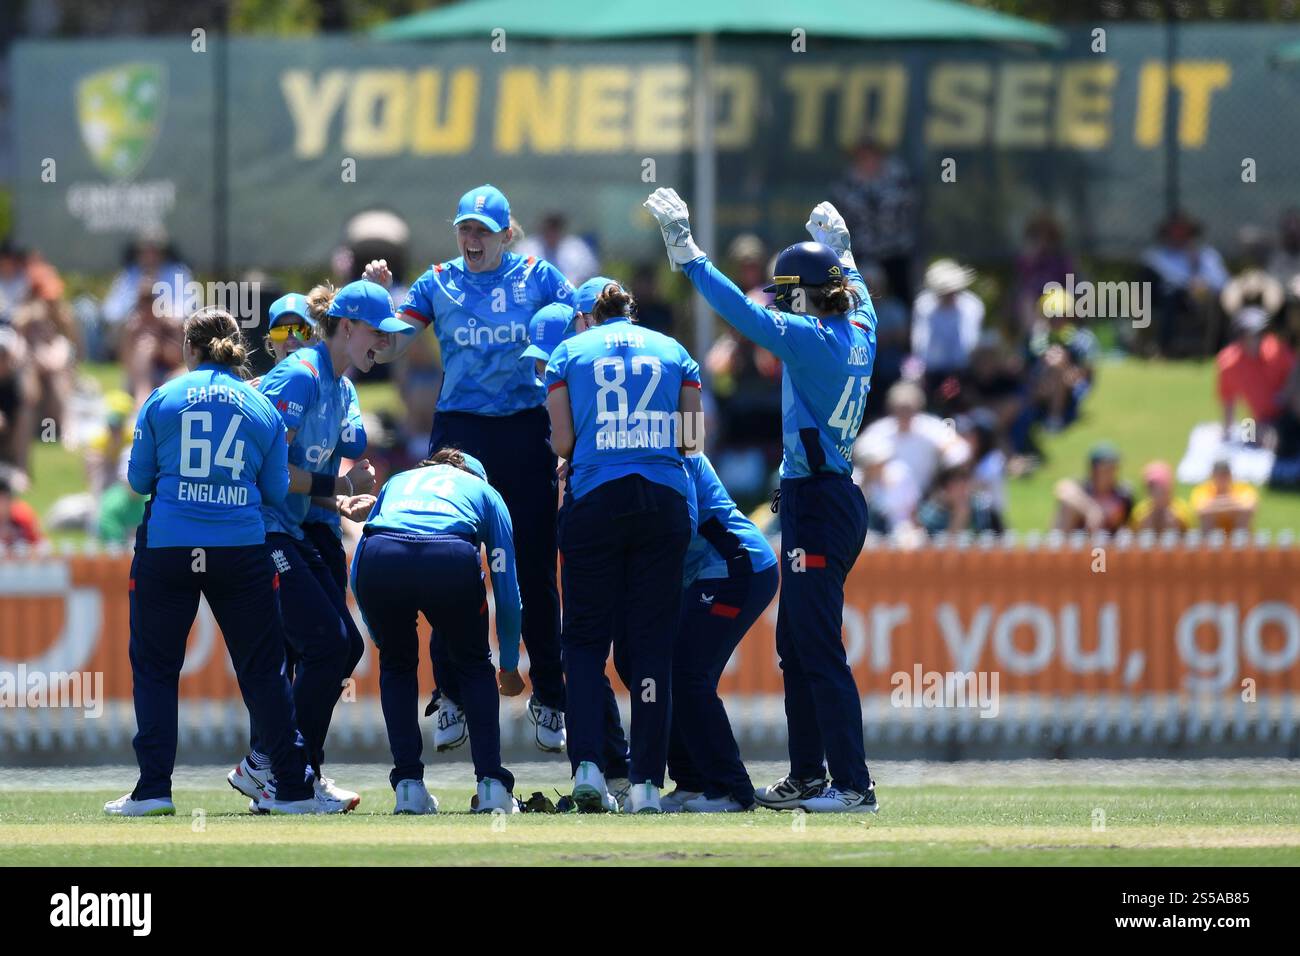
211,451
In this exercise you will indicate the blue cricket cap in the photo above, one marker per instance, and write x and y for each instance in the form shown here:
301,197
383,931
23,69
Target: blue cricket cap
293,304
550,326
584,300
474,465
368,302
487,204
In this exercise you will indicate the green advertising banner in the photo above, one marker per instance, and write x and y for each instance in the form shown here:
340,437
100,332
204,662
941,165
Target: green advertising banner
115,136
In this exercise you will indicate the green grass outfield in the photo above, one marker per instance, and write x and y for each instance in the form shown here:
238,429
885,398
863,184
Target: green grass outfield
1248,819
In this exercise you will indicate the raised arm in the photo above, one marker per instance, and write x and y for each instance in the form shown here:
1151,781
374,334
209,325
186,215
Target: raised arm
409,311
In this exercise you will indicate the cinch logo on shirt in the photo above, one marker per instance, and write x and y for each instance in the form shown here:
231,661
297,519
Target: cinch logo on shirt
316,454
475,334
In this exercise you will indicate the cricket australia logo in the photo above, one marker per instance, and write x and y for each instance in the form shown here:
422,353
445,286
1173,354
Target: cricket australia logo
281,562
120,112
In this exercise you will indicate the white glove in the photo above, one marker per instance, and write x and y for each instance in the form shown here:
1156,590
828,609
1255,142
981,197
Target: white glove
827,226
670,210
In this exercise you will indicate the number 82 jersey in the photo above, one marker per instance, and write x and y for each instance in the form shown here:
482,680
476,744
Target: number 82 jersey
210,450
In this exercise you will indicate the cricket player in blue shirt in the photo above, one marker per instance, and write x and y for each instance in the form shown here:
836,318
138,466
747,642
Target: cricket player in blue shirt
823,328
625,405
731,578
306,388
209,452
419,554
492,406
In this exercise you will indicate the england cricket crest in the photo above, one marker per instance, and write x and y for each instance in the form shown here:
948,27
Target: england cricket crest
120,112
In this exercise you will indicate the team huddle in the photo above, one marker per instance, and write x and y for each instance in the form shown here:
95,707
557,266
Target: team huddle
583,439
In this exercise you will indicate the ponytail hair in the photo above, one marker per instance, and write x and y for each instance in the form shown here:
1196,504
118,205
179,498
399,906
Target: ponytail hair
319,300
614,301
834,297
215,335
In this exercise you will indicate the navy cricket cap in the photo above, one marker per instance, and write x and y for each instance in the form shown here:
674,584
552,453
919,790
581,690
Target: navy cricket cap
487,205
368,302
292,304
550,325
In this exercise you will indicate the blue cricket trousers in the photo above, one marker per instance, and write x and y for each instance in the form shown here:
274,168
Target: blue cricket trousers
239,583
397,577
324,640
516,451
823,527
716,614
624,546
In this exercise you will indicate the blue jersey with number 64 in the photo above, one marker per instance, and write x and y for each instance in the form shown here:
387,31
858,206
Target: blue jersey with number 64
211,451
827,371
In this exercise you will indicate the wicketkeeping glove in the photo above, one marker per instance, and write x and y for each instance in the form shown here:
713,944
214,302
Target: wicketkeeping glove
828,227
670,211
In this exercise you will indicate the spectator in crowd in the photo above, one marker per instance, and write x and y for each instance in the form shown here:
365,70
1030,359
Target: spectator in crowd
1060,356
1253,285
892,341
1223,504
954,506
1284,263
653,311
150,345
20,393
14,281
916,439
1041,260
120,509
571,254
890,489
18,524
1188,276
46,324
1099,503
988,462
1161,511
1255,370
150,260
106,446
878,201
946,322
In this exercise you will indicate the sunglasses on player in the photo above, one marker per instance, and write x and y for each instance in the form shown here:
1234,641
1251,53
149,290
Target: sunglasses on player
299,330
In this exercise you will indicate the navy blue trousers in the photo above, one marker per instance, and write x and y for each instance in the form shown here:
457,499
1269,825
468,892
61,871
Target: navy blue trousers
398,577
239,583
516,451
624,545
823,527
330,548
324,641
716,615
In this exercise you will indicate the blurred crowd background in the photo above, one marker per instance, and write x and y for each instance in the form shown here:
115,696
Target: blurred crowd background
994,406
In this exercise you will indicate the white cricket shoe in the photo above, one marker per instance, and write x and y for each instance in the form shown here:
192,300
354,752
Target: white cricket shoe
493,796
834,800
644,798
318,802
326,787
790,792
590,793
674,801
413,797
618,788
703,804
450,731
126,806
247,779
550,726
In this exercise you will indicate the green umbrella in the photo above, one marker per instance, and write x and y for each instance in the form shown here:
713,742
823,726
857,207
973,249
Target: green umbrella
866,20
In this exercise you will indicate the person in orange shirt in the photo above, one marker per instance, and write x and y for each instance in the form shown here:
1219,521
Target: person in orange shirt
18,524
1223,503
1254,369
